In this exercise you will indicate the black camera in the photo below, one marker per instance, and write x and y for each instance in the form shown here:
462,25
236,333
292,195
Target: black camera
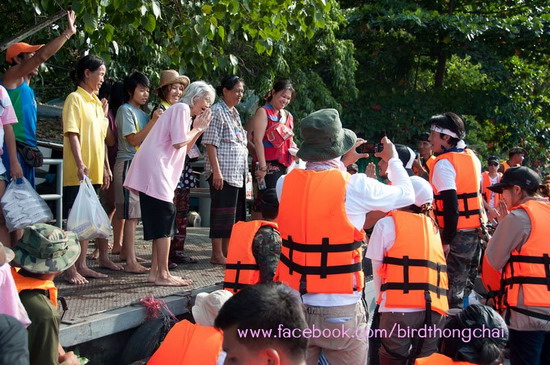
370,147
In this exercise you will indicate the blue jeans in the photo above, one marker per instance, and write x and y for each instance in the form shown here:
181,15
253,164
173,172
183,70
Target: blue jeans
529,347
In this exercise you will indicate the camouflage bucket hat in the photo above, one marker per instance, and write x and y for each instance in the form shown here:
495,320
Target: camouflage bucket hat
46,249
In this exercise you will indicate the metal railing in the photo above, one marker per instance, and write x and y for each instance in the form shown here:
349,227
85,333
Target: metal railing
58,196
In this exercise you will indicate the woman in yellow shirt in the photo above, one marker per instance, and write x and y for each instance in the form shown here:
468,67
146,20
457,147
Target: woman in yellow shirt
84,131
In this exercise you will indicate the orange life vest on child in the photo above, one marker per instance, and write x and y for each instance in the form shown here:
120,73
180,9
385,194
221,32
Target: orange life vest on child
439,359
485,183
528,268
470,210
321,251
189,343
241,268
26,283
414,270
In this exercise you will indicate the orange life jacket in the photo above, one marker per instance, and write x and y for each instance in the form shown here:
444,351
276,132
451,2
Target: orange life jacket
26,283
470,212
490,277
506,165
439,359
485,183
430,162
414,270
241,268
321,251
189,343
529,268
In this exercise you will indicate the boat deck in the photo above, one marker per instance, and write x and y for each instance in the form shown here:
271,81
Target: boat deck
111,305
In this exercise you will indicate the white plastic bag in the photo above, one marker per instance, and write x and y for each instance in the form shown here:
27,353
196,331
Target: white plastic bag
88,218
23,206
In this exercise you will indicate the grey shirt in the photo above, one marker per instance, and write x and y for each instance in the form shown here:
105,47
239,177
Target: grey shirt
511,234
129,120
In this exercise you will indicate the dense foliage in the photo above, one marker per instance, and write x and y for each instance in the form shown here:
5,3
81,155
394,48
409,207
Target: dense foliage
386,65
487,60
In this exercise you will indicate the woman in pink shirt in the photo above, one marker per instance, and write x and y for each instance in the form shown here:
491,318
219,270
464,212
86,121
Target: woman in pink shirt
156,169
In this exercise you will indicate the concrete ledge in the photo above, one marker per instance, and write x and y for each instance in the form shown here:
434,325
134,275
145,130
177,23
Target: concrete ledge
122,319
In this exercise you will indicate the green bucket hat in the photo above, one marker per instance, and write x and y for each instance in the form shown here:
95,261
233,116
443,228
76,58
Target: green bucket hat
46,249
323,136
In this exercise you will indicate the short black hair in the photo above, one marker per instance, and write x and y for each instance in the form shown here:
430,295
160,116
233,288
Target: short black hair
269,306
269,204
424,137
228,83
516,151
452,122
105,89
88,62
132,81
117,96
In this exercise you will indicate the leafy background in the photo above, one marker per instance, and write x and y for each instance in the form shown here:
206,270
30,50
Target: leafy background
386,65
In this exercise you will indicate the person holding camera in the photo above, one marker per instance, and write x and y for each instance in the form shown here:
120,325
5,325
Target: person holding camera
321,215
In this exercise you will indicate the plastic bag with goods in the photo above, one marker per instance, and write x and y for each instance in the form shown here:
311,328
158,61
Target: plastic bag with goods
87,217
23,206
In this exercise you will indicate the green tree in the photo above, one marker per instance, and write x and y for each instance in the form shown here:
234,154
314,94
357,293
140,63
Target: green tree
487,60
261,40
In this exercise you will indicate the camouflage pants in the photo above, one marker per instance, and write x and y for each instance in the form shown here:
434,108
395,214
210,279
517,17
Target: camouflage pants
462,265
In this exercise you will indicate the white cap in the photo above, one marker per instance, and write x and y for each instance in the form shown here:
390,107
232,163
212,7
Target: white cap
423,192
207,306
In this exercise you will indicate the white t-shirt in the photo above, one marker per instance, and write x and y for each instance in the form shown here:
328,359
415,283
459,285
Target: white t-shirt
493,180
363,195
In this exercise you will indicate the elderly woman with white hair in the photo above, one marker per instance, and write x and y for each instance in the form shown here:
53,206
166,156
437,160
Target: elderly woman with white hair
156,169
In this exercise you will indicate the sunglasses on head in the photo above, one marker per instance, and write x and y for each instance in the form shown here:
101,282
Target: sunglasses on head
493,164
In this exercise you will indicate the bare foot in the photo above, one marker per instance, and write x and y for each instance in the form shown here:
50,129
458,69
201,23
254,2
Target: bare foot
108,264
173,281
152,277
138,259
89,273
74,278
94,255
218,260
136,269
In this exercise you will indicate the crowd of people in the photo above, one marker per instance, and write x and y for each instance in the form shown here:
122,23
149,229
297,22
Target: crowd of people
422,220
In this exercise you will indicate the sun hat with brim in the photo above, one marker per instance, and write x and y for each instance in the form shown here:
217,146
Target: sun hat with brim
521,176
46,249
169,77
17,48
8,252
323,137
207,306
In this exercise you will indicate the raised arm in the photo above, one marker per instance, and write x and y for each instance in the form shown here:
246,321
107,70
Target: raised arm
15,73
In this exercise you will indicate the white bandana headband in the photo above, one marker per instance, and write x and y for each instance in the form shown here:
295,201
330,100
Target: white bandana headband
438,129
460,144
411,158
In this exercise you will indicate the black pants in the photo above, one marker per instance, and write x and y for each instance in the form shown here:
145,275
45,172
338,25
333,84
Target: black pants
529,347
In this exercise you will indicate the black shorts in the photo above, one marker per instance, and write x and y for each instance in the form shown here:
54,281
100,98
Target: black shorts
158,216
69,196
